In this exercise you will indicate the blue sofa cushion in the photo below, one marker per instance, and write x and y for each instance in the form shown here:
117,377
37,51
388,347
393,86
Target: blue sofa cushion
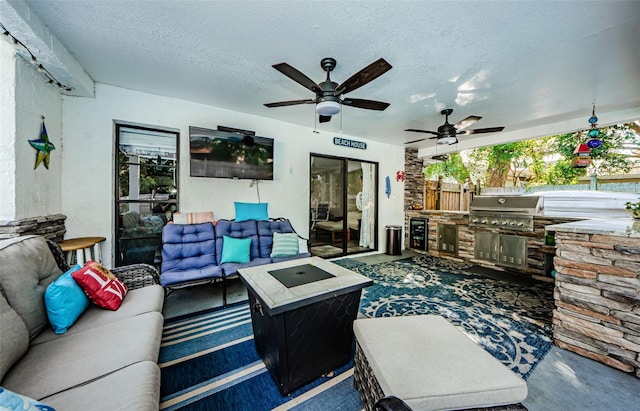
236,229
293,257
177,276
188,253
232,268
251,211
65,301
265,234
235,250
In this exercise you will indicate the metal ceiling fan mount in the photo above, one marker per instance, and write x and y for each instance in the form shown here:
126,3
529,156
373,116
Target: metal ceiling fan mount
328,99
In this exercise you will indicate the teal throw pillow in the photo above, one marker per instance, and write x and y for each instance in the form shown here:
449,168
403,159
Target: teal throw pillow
235,250
284,245
65,301
9,400
251,211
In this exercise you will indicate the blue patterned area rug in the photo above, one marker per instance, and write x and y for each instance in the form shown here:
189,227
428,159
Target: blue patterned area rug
511,321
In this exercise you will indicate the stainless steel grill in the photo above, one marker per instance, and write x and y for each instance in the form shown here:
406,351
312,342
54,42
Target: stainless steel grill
505,212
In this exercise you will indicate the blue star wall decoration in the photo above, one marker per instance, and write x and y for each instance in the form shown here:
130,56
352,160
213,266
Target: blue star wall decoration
43,147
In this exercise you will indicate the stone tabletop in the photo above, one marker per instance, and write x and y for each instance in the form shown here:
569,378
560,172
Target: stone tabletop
621,227
277,298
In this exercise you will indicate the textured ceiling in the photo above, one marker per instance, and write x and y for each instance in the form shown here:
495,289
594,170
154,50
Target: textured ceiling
535,67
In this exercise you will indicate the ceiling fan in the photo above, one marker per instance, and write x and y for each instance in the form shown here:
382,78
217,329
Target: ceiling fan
447,133
328,93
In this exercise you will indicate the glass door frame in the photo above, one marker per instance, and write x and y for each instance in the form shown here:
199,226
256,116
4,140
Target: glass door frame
345,175
117,202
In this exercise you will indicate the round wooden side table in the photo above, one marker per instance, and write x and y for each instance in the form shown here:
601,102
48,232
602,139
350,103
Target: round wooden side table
82,245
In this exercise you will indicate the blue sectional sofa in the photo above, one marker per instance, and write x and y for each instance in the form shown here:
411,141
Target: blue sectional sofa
192,253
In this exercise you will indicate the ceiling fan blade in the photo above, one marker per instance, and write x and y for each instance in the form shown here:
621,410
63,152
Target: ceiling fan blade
415,130
462,124
324,119
367,104
297,76
367,74
484,130
289,103
415,141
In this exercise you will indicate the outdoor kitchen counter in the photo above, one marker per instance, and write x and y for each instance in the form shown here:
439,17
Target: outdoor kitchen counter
622,227
597,290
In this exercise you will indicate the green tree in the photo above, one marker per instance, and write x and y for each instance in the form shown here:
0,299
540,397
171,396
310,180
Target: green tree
609,158
452,168
511,161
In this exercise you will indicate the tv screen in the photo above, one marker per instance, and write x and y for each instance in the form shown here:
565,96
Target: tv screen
222,154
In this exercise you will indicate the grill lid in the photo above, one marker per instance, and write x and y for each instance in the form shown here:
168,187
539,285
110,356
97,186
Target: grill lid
529,205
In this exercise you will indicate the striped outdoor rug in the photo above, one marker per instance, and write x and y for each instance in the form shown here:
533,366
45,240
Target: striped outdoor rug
209,362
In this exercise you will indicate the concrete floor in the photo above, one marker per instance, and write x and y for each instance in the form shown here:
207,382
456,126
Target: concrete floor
561,381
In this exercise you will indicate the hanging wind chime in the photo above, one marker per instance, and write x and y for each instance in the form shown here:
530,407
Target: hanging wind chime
582,154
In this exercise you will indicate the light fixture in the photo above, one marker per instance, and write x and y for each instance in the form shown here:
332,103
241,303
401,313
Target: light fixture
447,140
328,108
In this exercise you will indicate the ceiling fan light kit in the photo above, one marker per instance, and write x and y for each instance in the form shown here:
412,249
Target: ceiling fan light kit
447,140
328,102
328,108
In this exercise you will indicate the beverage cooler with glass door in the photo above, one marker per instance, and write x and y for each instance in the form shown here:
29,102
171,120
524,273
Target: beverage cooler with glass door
418,234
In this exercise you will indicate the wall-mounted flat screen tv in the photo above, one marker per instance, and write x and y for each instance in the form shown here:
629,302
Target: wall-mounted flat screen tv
223,154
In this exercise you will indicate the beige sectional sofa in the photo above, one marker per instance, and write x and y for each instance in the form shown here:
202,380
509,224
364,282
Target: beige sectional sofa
106,361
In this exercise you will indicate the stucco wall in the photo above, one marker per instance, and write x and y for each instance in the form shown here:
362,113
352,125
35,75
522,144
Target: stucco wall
7,132
26,192
88,156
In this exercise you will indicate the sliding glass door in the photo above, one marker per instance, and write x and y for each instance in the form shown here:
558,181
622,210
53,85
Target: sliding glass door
343,206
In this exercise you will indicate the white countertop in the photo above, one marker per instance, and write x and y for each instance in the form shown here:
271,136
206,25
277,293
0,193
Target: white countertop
278,298
621,227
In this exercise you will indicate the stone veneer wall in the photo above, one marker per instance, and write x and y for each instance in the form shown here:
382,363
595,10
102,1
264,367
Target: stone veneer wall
51,227
414,179
597,298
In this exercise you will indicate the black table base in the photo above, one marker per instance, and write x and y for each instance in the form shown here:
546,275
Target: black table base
301,344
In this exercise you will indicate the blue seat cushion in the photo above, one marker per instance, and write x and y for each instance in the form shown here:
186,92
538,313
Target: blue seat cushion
178,276
293,257
232,268
188,253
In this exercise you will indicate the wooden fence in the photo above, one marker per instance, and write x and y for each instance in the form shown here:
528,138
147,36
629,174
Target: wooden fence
439,195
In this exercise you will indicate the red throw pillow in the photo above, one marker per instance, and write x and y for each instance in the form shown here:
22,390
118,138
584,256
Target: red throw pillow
102,287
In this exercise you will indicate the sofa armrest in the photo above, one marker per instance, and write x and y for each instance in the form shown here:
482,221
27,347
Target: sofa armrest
137,275
58,255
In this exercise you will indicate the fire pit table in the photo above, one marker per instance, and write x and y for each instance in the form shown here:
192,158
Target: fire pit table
302,312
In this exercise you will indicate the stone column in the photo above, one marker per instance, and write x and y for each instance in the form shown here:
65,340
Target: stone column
414,179
597,298
413,184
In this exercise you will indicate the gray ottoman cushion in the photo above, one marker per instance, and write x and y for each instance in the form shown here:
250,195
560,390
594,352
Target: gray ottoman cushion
428,363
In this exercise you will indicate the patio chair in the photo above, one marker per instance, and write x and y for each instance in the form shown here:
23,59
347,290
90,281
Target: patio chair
188,256
321,214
